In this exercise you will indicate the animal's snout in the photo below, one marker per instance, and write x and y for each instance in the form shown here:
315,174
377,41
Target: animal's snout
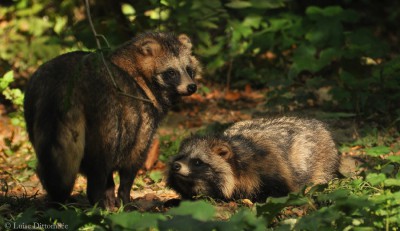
176,166
191,88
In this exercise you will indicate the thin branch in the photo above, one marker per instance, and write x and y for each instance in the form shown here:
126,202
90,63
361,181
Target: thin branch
99,47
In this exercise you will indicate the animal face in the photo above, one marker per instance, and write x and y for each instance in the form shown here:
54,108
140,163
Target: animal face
178,76
168,63
201,168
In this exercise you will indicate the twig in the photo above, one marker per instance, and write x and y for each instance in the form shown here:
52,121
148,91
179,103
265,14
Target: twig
99,47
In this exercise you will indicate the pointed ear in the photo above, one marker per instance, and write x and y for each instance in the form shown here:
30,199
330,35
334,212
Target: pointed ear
185,41
149,47
222,149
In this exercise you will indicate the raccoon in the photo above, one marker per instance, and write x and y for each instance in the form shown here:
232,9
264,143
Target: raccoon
255,159
78,121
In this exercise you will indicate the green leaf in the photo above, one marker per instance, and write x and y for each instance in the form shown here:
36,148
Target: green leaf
335,195
392,182
362,42
156,176
304,58
208,25
252,21
27,217
377,151
238,4
327,11
134,220
15,95
375,178
199,210
60,24
127,9
6,80
394,158
35,9
245,220
186,222
69,217
270,4
205,89
274,206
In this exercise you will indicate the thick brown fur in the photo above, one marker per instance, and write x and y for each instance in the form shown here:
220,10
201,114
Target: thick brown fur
255,159
78,122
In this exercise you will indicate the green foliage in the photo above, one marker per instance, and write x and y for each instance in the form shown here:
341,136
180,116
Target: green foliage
197,215
370,201
32,33
331,54
327,45
134,221
293,48
156,176
15,96
169,147
13,143
199,210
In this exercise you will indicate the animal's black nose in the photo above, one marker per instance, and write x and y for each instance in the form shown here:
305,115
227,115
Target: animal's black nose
176,166
191,88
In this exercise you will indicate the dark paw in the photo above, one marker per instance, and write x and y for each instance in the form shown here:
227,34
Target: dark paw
172,203
110,203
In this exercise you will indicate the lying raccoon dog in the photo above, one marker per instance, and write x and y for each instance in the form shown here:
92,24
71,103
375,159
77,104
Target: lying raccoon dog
78,121
255,159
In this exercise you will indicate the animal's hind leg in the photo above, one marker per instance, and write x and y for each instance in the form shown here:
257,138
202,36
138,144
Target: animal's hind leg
59,146
110,198
126,175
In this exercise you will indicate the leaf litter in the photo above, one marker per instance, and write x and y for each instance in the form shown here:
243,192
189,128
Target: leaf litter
196,112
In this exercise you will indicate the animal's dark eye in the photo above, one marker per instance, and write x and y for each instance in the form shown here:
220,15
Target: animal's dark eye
190,72
170,73
198,162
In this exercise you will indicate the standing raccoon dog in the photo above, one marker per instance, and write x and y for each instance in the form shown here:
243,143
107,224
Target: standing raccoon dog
255,159
78,122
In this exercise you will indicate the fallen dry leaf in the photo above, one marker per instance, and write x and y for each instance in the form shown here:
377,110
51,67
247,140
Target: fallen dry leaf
232,96
197,97
214,94
269,55
250,94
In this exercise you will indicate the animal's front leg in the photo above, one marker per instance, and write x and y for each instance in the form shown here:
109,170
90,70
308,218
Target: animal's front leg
126,175
110,200
96,186
101,189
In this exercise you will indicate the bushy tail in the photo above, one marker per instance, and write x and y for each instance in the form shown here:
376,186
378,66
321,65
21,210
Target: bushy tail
59,145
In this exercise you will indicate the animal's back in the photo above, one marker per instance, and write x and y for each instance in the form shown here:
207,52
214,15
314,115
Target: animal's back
45,88
255,159
302,150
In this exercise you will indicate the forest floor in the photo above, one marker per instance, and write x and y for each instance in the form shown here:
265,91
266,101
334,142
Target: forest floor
206,110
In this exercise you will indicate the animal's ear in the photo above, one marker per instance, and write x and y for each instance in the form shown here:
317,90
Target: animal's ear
222,149
185,41
149,47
